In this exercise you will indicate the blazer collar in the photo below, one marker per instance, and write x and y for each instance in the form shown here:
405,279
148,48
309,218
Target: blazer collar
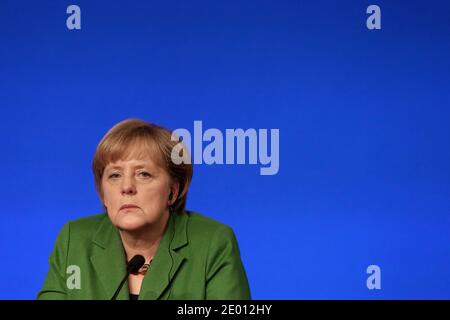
108,260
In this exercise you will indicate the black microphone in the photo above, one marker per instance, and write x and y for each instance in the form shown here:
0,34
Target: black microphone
133,266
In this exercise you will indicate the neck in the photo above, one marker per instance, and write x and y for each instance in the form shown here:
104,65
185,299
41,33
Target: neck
144,241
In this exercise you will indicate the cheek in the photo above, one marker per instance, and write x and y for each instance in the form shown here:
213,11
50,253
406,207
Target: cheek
156,195
108,196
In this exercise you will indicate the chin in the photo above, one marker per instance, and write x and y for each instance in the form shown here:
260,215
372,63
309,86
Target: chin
130,223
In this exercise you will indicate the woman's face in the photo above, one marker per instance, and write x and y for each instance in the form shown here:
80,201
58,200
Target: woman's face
136,193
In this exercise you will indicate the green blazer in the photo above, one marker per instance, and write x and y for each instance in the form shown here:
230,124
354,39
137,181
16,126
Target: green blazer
197,258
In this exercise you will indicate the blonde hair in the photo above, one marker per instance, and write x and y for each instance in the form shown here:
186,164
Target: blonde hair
151,139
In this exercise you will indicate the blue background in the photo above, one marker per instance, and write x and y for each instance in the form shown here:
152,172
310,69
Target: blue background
364,132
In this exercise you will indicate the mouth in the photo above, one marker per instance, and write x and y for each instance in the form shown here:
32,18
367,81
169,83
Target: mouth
128,206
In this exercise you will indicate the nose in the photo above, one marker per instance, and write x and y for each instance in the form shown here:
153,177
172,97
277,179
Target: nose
128,186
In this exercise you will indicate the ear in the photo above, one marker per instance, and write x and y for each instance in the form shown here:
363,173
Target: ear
174,190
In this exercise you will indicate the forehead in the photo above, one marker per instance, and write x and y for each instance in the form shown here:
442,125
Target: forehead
133,163
138,153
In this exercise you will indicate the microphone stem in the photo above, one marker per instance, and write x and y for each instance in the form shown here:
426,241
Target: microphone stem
120,287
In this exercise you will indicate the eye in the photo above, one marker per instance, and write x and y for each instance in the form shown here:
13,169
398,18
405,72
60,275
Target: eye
144,174
113,176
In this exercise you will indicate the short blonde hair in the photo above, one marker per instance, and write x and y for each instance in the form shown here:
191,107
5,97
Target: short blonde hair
151,139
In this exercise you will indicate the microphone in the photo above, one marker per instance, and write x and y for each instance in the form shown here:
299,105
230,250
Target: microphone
133,266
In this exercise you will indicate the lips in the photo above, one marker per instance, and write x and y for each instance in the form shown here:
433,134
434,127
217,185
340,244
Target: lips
128,206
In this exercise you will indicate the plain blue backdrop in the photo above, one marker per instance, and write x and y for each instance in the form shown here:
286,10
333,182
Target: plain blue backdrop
364,132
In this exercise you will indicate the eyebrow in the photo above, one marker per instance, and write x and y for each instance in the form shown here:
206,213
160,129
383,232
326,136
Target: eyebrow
120,167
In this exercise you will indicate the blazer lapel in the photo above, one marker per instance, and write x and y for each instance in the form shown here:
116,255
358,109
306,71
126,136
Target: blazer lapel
167,260
109,260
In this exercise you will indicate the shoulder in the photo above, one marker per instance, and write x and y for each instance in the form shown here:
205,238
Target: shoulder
201,225
75,236
83,228
207,232
87,224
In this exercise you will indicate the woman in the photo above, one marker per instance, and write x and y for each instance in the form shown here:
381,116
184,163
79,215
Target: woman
187,255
